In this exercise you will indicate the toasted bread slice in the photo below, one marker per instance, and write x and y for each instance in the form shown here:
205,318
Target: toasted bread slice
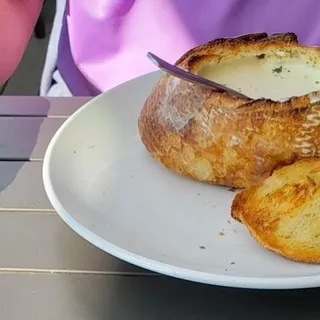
283,212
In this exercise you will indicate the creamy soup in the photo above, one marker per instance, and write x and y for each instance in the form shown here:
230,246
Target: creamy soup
260,77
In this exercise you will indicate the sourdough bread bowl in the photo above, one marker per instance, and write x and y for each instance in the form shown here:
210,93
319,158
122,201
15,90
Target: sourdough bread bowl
221,139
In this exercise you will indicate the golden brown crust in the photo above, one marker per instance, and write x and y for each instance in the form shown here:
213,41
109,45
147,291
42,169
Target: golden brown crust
217,138
283,212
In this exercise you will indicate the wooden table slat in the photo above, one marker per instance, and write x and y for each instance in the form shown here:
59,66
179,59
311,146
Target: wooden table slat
21,186
26,138
79,297
44,241
40,106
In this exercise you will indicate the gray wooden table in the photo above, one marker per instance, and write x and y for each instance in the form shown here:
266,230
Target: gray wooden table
48,272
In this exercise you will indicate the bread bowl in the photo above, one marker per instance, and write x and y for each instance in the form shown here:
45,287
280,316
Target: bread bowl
217,138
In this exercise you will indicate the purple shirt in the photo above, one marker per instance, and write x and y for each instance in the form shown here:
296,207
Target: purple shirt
104,42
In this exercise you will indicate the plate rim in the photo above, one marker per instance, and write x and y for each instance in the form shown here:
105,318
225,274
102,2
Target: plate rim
148,263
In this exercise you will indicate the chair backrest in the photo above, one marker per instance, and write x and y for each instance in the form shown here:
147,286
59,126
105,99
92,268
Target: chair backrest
3,87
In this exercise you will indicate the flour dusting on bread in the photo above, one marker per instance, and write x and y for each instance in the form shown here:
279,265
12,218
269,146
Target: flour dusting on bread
314,97
168,111
305,139
180,103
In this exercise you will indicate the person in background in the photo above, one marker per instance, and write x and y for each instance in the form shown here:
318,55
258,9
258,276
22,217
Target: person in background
98,44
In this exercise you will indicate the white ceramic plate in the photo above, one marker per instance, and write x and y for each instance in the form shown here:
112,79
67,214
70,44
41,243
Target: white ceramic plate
105,186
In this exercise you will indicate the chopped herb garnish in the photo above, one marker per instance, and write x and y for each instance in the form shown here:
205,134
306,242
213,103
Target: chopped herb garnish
277,70
317,82
261,56
202,247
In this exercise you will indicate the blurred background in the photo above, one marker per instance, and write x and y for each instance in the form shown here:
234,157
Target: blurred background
26,79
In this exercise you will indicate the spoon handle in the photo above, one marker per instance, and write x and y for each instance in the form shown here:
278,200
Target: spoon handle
190,77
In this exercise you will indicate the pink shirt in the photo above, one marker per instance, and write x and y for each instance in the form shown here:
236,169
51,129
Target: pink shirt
105,42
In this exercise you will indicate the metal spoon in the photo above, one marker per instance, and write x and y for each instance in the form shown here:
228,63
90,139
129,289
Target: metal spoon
190,77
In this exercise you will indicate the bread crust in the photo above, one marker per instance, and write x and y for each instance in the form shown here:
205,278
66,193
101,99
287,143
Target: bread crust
221,139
